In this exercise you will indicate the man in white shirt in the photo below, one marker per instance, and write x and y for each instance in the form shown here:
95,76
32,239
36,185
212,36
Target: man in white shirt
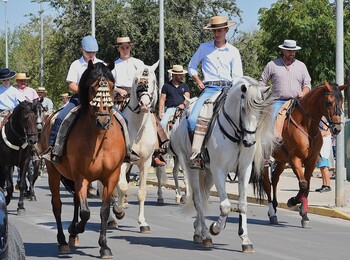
221,67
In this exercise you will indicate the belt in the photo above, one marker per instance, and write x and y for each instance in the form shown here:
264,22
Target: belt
218,83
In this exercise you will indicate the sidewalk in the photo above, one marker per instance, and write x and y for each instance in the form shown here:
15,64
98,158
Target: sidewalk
319,203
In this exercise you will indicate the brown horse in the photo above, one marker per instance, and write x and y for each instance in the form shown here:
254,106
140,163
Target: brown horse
302,142
95,150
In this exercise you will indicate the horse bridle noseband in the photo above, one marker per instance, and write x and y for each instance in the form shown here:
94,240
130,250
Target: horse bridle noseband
142,90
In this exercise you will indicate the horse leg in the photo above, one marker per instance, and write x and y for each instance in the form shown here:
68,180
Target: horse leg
111,222
8,181
141,196
159,172
267,188
22,184
276,173
54,184
243,181
73,233
105,251
122,188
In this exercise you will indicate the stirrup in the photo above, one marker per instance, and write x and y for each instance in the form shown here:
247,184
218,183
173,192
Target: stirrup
131,157
197,163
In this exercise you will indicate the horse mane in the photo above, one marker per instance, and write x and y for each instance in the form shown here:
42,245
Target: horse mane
90,75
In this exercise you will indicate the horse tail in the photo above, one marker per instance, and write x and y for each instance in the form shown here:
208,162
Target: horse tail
204,182
68,184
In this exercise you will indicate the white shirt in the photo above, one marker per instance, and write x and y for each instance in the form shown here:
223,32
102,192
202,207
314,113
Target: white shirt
10,97
217,63
124,71
77,69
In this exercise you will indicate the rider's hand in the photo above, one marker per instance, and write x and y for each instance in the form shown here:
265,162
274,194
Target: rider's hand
122,92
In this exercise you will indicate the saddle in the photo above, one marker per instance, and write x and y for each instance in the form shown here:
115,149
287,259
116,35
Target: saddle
66,126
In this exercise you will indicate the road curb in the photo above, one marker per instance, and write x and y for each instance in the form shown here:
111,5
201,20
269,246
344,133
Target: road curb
318,210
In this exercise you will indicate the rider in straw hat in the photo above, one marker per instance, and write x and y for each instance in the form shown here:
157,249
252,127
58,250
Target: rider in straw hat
221,68
22,85
45,101
290,79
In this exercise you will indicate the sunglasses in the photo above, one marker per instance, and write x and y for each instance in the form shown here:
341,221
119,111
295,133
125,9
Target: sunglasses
5,80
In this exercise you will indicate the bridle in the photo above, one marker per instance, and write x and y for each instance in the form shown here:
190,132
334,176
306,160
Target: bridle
238,130
142,90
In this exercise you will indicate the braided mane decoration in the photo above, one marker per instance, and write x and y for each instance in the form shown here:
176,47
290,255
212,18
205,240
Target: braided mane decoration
102,91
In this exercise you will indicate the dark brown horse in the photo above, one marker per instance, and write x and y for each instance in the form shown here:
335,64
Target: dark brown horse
302,142
18,135
95,150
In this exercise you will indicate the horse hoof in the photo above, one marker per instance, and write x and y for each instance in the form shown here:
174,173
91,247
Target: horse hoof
183,199
119,215
33,198
74,240
160,201
273,220
112,224
197,239
208,243
247,248
145,230
305,223
63,249
106,253
214,229
21,212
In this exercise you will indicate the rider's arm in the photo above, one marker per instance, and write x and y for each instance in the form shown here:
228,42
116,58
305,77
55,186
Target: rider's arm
161,105
74,87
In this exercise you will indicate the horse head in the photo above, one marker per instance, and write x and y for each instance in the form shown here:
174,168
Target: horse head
144,89
96,93
40,113
334,102
24,120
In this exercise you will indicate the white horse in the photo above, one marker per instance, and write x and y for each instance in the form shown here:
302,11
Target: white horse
161,174
242,135
143,137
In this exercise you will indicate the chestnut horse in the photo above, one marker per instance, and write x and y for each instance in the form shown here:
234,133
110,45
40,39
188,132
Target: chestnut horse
95,150
302,142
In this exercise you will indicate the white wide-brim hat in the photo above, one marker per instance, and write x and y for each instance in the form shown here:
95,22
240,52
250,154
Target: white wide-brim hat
289,45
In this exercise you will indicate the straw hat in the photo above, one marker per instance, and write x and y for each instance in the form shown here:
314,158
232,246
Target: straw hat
21,76
64,95
6,74
289,45
121,40
177,69
218,22
41,90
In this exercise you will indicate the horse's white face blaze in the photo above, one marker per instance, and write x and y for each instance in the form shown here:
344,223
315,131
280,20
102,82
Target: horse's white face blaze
146,89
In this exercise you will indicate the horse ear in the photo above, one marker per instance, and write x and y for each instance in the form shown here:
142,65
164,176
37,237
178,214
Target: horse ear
154,66
342,87
90,65
111,65
327,85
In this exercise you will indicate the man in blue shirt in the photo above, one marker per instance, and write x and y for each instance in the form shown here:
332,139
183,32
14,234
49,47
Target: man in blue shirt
9,95
173,95
221,67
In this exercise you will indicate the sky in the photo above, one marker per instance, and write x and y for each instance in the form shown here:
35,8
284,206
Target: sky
17,11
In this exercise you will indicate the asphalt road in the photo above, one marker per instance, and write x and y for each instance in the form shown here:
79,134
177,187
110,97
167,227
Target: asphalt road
172,231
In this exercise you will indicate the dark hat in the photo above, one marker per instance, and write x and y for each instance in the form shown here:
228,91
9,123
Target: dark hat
6,74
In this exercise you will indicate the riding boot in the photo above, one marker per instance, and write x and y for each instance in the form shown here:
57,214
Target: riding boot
130,156
157,159
163,138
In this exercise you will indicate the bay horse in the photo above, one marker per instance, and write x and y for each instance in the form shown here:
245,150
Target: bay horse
143,138
18,135
241,136
302,142
95,150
